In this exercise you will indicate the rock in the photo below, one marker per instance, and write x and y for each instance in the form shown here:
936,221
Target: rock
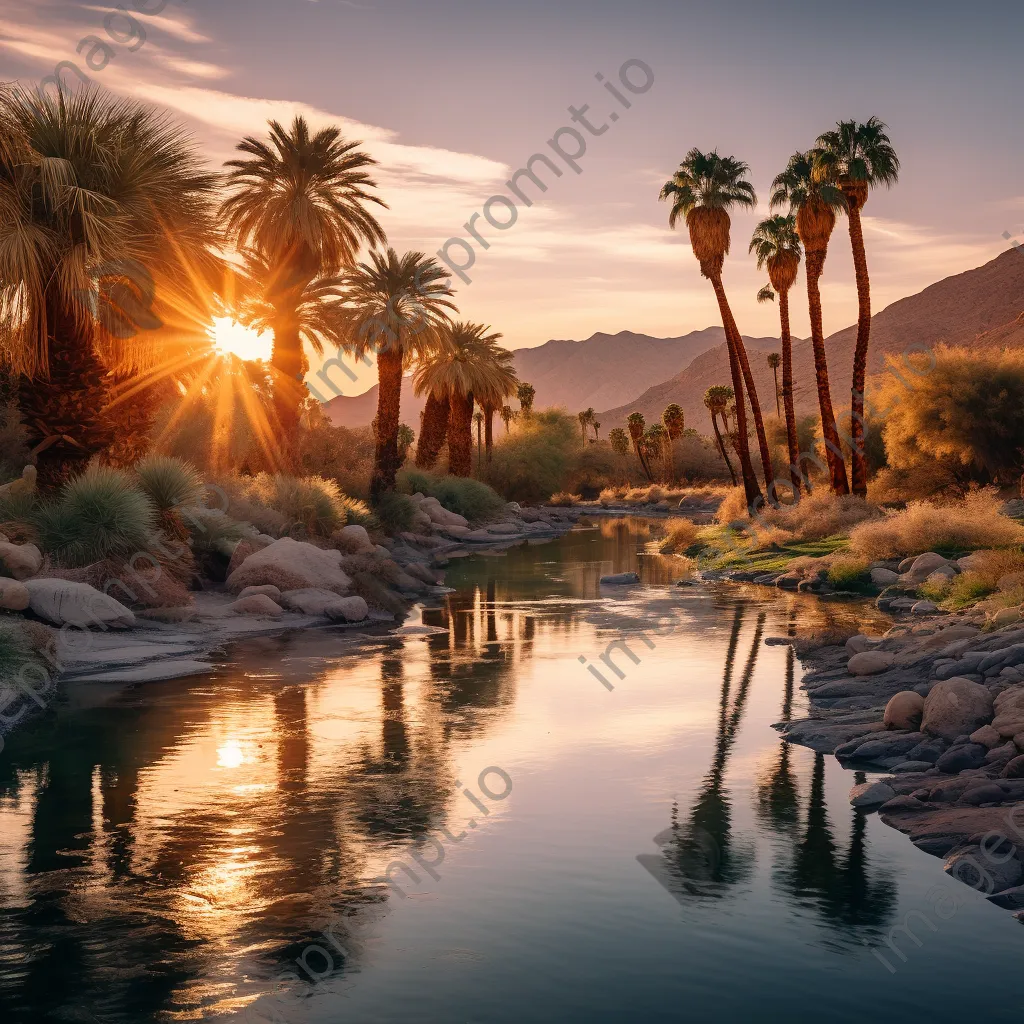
61,603
243,549
440,515
923,566
860,643
1015,769
267,591
422,573
961,758
22,561
987,737
983,872
870,663
956,706
291,565
356,538
871,794
912,767
983,793
1010,899
309,600
924,608
884,577
256,604
621,578
904,711
348,609
13,595
1001,755
1006,616
1012,581
25,485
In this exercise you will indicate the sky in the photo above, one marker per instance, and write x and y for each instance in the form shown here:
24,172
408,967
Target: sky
453,96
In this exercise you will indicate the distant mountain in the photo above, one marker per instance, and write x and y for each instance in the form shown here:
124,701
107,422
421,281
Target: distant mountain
359,410
976,307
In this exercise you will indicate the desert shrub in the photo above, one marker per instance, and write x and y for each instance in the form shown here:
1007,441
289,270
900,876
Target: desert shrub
211,530
342,454
463,495
358,513
733,507
99,515
682,534
278,504
818,515
973,522
594,467
536,461
19,514
373,562
961,410
170,484
564,500
697,458
965,590
848,572
394,511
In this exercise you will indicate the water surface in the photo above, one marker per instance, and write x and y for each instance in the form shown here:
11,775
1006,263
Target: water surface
176,851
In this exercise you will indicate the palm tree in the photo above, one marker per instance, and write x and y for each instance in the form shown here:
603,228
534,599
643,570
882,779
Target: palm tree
675,423
584,421
396,306
299,199
433,430
526,394
508,414
468,363
597,429
774,361
100,199
716,399
636,425
478,419
858,157
656,443
619,441
777,247
814,202
703,190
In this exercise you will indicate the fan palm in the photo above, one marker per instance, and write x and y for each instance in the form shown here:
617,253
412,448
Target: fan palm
815,201
716,400
508,414
675,423
93,188
858,157
777,247
636,425
703,190
300,199
619,440
526,393
433,430
774,362
467,366
395,306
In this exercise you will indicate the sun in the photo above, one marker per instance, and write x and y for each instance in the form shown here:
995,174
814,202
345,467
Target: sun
232,338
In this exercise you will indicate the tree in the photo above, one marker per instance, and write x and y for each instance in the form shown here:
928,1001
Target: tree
675,423
636,426
597,429
300,200
774,361
584,423
655,443
526,394
777,247
619,441
703,190
857,157
106,223
433,430
815,201
716,399
396,306
508,414
405,440
468,364
478,419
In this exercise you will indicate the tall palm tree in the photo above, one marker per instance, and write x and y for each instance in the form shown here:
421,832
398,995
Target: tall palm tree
526,393
703,190
815,202
774,361
508,414
469,363
619,440
675,423
636,425
656,443
433,430
478,419
857,157
395,306
300,199
597,428
777,247
716,399
101,200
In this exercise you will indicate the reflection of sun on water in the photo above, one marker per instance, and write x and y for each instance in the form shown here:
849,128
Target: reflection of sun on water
230,755
232,338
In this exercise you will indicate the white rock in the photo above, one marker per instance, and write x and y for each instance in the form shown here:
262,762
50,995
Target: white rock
267,591
870,663
22,561
13,595
440,515
309,601
60,603
256,604
291,565
358,535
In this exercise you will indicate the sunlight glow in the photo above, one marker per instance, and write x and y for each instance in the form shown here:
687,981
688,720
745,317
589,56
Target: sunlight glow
232,338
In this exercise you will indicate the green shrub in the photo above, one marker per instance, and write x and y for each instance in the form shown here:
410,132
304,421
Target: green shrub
536,461
395,511
211,530
280,504
358,513
100,514
170,483
470,498
19,516
849,573
966,589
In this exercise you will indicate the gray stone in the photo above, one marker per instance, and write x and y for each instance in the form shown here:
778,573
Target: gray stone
1015,769
956,706
292,565
621,578
61,603
884,577
886,745
958,759
869,663
987,737
348,609
267,591
972,867
912,767
1009,899
14,596
924,608
871,794
983,793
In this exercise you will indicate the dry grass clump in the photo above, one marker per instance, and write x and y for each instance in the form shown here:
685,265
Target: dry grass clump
681,535
564,500
733,507
815,517
974,522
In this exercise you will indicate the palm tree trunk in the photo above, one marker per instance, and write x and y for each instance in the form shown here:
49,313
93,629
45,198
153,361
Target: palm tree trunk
460,436
792,441
833,453
778,411
286,364
63,412
859,463
750,486
721,447
479,448
389,398
433,431
643,461
488,430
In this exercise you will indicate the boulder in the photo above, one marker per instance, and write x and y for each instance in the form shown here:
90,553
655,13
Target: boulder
256,604
980,871
267,591
21,561
870,663
961,758
13,595
348,609
884,577
358,539
1015,769
904,711
860,643
62,603
924,608
291,565
923,566
1001,755
309,600
987,736
621,578
440,515
1012,581
243,549
26,484
956,706
871,794
983,792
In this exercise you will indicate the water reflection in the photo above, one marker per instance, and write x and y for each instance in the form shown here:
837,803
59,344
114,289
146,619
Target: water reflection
165,853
